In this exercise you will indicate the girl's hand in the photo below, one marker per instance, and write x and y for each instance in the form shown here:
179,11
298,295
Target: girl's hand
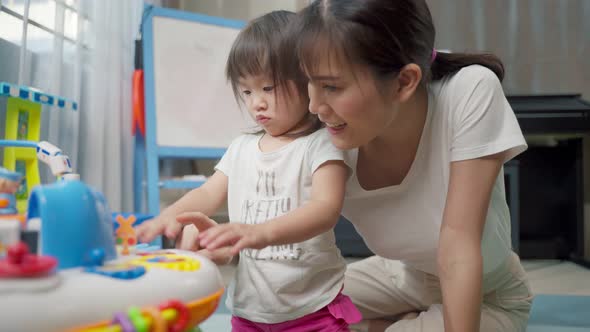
219,256
194,223
162,224
237,236
172,227
188,238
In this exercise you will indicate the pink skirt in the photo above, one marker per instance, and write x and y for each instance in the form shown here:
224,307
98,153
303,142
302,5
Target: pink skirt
335,317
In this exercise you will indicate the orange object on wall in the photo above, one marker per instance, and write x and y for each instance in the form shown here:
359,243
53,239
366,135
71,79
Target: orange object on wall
138,102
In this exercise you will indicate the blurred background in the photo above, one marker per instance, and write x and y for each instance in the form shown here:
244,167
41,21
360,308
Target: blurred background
84,50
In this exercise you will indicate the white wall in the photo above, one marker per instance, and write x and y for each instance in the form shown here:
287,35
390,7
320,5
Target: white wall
240,9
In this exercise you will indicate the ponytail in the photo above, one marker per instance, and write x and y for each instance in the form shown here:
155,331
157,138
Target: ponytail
445,64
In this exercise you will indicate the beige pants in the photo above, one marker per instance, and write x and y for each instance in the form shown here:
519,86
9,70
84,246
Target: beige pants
384,289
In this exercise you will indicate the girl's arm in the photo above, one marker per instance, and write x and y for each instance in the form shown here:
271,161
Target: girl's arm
460,263
206,199
317,216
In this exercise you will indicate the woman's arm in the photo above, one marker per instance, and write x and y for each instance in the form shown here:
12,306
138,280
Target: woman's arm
460,262
318,215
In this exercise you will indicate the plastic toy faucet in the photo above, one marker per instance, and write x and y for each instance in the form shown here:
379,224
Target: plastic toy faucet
59,163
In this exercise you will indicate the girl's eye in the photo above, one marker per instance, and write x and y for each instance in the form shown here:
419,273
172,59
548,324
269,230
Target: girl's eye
268,88
246,92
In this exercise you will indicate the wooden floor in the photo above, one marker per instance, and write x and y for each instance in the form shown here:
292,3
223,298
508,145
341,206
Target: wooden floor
558,277
546,276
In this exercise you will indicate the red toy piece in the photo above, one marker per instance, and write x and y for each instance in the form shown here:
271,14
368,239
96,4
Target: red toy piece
19,263
183,315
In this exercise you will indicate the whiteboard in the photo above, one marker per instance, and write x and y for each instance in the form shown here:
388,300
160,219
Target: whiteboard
194,104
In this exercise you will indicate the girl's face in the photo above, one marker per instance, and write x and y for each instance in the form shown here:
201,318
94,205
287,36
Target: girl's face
275,110
346,99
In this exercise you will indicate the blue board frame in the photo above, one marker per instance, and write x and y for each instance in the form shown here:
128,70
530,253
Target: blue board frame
147,152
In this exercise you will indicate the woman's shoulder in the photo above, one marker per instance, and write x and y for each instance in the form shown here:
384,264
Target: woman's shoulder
468,78
468,82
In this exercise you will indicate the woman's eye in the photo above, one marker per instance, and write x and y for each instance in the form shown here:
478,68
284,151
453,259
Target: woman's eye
268,88
329,87
246,92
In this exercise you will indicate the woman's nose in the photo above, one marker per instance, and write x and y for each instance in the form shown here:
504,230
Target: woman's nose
314,100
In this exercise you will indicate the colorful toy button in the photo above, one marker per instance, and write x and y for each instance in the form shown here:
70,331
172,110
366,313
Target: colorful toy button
118,271
140,322
168,261
19,263
124,322
96,257
183,315
125,233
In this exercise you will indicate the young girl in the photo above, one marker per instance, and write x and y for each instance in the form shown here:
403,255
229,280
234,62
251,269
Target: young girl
427,134
284,188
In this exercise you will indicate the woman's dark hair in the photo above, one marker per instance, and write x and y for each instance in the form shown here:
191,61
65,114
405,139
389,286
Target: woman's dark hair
257,50
384,35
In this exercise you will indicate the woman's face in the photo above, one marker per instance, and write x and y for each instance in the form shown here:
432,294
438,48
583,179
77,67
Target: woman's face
347,100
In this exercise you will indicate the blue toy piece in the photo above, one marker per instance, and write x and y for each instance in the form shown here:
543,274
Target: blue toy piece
10,207
75,222
10,175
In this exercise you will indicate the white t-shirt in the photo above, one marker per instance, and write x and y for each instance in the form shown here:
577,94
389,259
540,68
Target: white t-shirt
468,117
280,283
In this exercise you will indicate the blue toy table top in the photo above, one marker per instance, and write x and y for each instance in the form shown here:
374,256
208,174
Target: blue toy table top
34,95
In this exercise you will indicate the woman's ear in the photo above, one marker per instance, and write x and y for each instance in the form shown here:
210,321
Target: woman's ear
408,79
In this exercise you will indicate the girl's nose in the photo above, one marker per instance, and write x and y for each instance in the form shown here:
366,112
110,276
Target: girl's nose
260,103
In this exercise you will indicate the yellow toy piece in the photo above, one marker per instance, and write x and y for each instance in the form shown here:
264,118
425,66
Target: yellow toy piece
168,261
23,122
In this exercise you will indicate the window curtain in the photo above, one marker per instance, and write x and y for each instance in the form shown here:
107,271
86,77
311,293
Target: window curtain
105,140
91,63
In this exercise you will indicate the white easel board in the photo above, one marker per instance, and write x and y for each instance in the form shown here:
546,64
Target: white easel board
194,103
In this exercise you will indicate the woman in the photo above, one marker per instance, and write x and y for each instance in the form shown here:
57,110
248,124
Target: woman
427,134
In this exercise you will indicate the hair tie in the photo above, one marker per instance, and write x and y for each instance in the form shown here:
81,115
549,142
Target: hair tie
433,56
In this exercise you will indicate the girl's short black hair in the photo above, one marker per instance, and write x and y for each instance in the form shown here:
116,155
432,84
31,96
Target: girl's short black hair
257,51
262,48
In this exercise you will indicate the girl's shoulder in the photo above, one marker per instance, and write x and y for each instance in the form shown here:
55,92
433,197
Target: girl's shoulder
319,137
242,141
247,137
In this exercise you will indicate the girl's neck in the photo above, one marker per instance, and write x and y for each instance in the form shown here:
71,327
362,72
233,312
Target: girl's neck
269,143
